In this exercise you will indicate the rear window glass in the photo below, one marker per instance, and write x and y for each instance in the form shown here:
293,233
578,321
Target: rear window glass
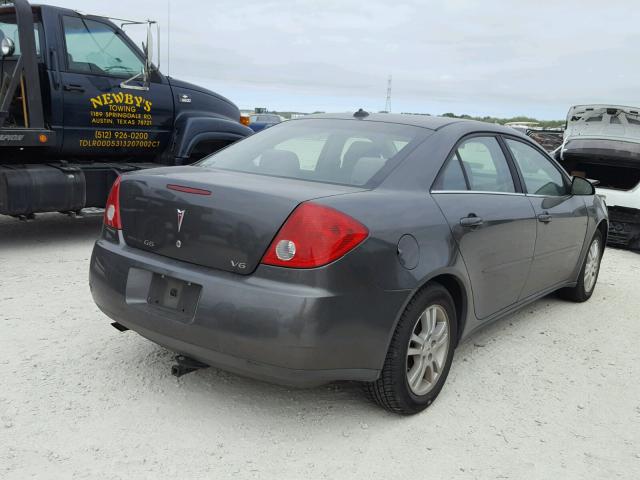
451,177
348,152
485,164
9,29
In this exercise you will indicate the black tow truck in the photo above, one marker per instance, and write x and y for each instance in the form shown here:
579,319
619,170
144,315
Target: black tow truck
80,103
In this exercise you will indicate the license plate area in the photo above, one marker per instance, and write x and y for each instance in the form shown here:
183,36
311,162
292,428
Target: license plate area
174,294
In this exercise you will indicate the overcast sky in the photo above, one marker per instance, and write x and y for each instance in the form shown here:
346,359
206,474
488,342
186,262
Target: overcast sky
481,57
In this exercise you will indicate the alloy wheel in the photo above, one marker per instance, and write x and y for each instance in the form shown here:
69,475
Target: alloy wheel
592,266
427,350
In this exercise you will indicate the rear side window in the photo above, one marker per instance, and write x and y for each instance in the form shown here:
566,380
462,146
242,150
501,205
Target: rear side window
485,165
540,176
451,177
9,29
348,152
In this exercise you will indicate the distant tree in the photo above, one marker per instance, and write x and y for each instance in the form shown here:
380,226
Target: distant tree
502,121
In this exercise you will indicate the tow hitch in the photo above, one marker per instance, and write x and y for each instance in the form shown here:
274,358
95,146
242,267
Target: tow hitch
186,365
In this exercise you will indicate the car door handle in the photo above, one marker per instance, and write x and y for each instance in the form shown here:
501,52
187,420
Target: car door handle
471,221
544,217
73,88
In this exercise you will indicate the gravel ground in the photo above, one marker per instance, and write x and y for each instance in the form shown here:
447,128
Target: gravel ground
550,392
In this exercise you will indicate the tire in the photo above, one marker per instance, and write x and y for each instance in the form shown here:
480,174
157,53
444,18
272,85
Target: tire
584,289
393,391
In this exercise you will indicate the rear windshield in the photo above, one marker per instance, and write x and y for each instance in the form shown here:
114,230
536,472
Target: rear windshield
347,152
9,29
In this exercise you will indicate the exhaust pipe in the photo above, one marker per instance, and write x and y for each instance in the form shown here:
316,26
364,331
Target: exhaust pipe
186,365
119,327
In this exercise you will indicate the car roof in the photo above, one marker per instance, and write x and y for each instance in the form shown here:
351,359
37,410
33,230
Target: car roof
423,121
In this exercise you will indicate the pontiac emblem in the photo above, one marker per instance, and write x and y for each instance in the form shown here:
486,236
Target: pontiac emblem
180,218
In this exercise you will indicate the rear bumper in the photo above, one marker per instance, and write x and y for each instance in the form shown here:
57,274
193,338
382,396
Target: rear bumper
300,328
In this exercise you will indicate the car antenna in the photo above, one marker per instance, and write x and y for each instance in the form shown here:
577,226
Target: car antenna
361,114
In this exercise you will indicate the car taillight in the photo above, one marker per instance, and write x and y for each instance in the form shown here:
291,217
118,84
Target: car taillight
314,235
112,208
245,120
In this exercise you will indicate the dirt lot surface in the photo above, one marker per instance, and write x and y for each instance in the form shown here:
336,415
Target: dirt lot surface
550,392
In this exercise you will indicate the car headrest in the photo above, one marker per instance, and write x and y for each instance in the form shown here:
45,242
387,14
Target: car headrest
356,151
365,168
279,162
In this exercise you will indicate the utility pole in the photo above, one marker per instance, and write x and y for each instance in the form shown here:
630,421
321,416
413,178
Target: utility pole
387,106
168,37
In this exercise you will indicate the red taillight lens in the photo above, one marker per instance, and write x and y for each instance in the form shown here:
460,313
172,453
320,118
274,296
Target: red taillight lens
314,235
112,208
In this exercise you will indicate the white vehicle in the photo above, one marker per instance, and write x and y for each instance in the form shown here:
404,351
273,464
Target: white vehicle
602,142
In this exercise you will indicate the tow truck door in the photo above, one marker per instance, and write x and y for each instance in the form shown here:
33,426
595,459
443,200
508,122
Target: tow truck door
102,117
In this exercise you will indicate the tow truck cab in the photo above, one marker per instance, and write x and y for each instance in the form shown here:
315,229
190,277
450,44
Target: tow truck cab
81,103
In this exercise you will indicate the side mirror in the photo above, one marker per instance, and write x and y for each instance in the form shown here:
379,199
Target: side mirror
148,50
7,47
582,186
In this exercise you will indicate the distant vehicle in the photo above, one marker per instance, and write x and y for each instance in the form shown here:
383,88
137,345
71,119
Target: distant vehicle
263,120
549,139
80,103
521,126
341,248
602,142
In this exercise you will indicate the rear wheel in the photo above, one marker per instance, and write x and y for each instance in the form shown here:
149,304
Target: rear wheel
588,274
420,354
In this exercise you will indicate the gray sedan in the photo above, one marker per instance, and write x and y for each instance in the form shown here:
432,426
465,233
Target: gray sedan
346,247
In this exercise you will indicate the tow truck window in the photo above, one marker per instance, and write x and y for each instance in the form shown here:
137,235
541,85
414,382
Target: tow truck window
9,29
95,47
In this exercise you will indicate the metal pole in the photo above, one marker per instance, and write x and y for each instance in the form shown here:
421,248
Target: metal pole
168,37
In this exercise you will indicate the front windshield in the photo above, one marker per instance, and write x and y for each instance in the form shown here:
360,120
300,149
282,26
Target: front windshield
348,152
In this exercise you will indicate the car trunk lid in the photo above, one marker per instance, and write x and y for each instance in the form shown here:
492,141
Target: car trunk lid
608,134
219,219
602,142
